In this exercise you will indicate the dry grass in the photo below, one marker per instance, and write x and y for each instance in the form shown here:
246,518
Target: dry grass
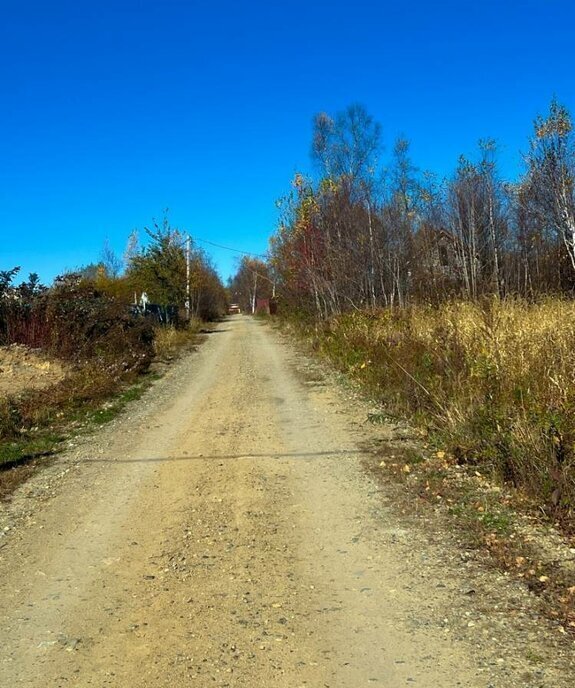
106,351
169,341
495,380
11,478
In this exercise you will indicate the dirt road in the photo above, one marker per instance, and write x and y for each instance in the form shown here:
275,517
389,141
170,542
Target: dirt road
223,533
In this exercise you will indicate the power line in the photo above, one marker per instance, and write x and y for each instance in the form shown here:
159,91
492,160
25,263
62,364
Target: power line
229,248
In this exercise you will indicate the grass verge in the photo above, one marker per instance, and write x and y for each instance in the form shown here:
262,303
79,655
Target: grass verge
35,425
498,523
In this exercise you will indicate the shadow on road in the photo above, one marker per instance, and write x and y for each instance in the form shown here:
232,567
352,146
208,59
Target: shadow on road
335,453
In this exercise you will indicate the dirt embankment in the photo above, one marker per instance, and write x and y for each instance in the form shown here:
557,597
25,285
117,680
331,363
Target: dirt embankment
24,369
224,532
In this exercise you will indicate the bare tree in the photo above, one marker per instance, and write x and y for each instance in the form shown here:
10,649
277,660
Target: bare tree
550,175
110,261
347,146
132,247
355,239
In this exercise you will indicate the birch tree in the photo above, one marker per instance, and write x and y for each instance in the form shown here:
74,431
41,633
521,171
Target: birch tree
550,175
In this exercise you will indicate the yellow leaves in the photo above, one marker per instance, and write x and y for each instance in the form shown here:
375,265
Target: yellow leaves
298,180
491,539
521,562
558,123
328,185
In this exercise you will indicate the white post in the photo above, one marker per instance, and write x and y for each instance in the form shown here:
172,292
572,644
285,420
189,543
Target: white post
188,277
255,290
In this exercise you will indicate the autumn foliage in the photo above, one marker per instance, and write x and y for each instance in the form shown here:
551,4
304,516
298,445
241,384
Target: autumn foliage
450,299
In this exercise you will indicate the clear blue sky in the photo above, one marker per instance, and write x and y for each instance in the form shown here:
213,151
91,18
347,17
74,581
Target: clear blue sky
112,111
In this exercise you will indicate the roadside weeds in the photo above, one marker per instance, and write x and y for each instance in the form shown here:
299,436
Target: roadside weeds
498,524
45,419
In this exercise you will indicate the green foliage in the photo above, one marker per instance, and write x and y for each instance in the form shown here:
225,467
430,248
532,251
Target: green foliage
75,321
22,310
35,425
86,319
16,452
6,278
112,408
160,268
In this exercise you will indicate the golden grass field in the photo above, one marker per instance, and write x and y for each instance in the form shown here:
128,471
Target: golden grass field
494,380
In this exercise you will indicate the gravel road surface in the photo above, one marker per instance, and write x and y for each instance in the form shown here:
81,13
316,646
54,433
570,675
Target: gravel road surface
222,532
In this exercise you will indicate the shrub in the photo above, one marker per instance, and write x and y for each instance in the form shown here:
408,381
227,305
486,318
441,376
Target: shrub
86,323
106,345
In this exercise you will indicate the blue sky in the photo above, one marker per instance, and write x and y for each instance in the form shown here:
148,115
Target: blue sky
112,111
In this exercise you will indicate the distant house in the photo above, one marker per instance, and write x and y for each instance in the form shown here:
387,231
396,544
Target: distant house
262,306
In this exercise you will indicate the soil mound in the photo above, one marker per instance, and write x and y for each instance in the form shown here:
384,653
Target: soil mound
22,368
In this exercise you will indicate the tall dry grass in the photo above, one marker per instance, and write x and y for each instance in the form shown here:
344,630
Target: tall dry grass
496,379
170,340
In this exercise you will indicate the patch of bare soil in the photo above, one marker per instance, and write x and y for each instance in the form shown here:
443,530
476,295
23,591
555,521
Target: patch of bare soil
24,369
224,532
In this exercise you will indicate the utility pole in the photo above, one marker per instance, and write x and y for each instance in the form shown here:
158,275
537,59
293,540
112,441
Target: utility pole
188,277
272,282
255,290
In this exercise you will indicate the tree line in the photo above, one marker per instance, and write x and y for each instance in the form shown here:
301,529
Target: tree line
360,235
254,280
80,304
